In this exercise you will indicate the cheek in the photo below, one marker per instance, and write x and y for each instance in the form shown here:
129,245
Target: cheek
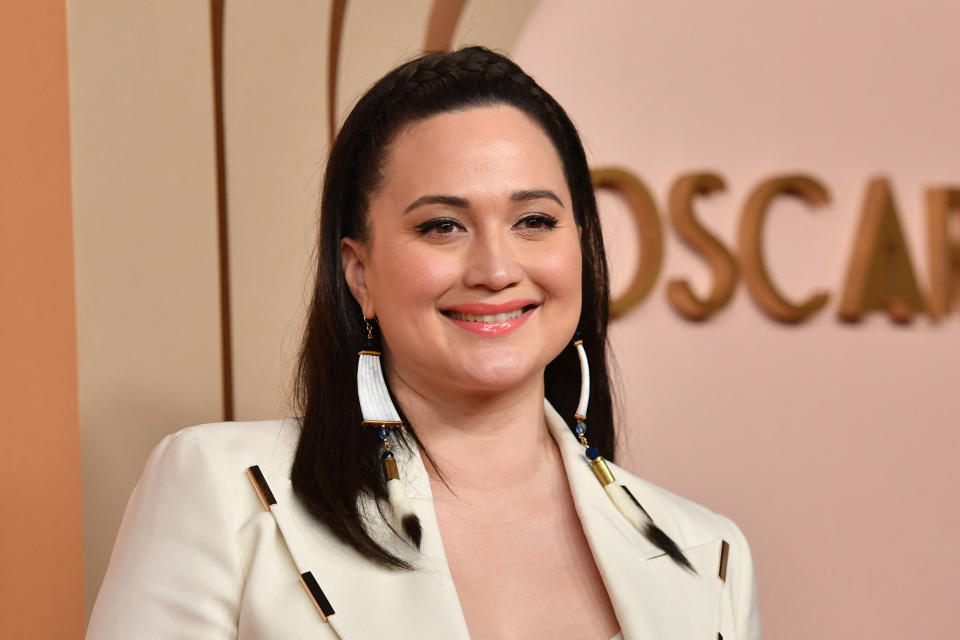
560,273
409,280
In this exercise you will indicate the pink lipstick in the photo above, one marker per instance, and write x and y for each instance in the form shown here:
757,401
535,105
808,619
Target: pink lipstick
491,319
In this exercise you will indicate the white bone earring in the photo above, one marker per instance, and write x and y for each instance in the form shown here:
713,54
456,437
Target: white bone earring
378,411
619,494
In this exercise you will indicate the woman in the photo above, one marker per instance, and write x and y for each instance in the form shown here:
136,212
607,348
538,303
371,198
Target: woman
461,256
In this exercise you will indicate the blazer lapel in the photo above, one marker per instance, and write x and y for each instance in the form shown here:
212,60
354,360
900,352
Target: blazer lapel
652,596
368,600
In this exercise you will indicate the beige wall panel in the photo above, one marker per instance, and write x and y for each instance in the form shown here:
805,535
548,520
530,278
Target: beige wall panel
377,36
495,24
146,258
833,446
275,69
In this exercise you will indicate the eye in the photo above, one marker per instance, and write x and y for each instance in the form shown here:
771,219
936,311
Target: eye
439,227
536,222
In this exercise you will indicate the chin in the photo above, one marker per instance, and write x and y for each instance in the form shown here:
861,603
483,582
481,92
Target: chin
502,374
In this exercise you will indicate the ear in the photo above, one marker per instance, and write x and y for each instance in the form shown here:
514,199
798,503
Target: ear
353,258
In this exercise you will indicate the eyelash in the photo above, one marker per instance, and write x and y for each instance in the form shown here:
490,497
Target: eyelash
431,225
548,222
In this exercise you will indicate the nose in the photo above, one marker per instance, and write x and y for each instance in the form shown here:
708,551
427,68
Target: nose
492,261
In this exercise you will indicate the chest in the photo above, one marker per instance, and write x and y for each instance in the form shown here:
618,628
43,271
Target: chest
525,572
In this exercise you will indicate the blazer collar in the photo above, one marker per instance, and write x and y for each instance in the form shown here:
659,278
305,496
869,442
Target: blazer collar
651,596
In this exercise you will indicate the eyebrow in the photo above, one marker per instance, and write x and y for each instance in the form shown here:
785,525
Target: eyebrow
521,195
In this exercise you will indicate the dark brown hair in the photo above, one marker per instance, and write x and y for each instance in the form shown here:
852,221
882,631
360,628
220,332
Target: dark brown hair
337,460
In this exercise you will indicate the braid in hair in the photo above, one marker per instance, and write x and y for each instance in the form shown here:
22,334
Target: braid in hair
433,72
473,76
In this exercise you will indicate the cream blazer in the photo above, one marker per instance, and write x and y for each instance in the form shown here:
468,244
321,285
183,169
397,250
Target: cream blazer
198,555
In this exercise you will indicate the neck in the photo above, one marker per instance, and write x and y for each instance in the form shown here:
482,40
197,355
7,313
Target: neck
482,444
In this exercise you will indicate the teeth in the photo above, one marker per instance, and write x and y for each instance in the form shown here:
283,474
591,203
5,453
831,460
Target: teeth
493,317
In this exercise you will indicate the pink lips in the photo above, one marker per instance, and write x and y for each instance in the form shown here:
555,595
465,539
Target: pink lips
494,328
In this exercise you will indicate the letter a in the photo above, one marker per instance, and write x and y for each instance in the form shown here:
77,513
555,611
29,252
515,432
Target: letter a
880,276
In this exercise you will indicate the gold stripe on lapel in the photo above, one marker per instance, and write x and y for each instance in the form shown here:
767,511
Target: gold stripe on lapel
309,583
260,484
316,595
724,552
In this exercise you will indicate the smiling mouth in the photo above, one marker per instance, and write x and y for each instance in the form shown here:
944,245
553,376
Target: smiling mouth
488,317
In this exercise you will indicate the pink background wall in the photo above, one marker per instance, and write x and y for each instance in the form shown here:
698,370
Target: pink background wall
832,445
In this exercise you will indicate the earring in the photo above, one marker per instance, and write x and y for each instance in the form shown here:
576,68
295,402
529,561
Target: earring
378,411
619,494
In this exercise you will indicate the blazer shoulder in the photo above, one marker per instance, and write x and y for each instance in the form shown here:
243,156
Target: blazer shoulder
270,444
690,525
686,521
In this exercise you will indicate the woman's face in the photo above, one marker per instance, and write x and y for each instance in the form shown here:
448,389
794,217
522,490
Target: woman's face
472,262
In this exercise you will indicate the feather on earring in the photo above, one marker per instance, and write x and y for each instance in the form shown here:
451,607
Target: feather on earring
378,411
619,494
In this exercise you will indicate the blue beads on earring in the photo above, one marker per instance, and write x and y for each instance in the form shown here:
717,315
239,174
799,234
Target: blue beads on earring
383,433
581,431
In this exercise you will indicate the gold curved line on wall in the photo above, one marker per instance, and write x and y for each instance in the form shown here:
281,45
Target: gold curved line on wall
223,245
338,10
444,16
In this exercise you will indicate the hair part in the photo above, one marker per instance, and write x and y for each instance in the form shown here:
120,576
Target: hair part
337,461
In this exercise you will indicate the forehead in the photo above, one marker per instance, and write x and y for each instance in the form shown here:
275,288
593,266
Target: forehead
480,149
